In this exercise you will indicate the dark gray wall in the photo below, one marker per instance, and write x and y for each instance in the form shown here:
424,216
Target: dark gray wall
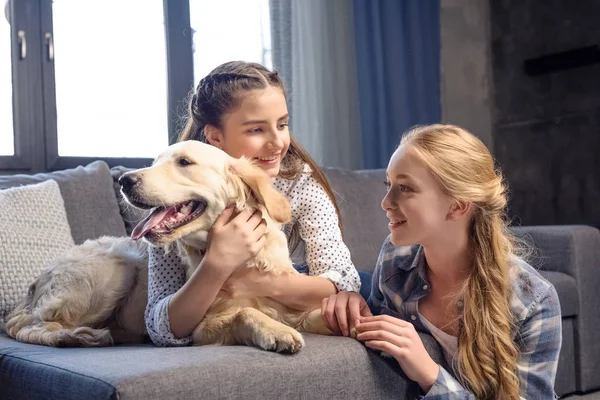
466,66
546,128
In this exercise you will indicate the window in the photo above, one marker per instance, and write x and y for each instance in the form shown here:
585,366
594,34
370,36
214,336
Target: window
228,30
109,79
7,142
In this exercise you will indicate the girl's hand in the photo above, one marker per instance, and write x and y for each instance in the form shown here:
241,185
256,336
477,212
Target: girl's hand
400,339
248,283
340,312
232,243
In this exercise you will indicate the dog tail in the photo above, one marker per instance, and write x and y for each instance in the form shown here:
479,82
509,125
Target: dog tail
30,327
27,328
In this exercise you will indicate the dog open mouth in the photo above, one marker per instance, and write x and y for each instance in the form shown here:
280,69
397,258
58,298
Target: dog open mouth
163,220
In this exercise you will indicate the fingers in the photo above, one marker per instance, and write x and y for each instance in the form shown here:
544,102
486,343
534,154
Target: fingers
341,314
330,315
323,313
398,341
258,245
256,219
223,218
261,228
386,347
354,310
365,311
389,319
245,215
380,326
252,219
251,215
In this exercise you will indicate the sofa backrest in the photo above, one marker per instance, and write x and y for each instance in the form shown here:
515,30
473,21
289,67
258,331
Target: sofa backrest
91,207
365,226
562,248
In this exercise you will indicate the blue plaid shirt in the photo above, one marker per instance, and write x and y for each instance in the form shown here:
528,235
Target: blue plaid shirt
400,280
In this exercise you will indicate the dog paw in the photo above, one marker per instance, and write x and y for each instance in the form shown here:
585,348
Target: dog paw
281,341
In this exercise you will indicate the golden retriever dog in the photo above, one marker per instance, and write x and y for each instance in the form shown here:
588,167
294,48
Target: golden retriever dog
97,293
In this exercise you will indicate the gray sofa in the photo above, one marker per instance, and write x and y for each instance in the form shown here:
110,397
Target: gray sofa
327,367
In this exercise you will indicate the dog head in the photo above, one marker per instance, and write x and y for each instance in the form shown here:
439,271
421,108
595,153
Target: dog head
189,185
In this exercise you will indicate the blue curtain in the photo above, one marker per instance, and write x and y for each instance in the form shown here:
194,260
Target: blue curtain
398,63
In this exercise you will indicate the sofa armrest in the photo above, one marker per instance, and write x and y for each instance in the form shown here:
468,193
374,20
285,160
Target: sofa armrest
575,250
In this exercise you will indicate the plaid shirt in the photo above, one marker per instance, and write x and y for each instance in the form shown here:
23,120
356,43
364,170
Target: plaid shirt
400,280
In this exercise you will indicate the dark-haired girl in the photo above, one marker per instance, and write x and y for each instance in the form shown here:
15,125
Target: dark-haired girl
241,108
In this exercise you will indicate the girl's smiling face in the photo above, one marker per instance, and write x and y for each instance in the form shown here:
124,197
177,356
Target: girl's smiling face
257,129
415,203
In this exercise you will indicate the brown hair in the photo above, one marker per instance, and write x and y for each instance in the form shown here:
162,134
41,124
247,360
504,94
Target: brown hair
487,356
219,93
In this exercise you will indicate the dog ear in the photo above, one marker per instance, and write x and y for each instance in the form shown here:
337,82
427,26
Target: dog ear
261,187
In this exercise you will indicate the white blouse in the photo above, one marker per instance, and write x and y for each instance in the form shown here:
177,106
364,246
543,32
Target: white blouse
325,253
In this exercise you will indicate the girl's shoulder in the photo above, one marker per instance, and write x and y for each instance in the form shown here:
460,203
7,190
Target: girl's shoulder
529,287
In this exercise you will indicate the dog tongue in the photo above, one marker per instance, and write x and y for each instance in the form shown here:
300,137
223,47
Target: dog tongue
148,223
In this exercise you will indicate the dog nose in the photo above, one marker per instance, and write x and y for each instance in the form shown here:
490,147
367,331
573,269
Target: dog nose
128,181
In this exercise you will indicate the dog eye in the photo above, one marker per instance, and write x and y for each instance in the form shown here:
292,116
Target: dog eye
184,162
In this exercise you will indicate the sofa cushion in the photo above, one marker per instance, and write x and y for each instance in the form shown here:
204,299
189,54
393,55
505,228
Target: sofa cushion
359,195
326,368
556,246
89,199
34,230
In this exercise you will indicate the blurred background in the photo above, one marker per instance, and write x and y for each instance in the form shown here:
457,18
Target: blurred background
82,80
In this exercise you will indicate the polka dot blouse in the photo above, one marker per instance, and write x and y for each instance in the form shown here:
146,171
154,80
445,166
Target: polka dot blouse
325,254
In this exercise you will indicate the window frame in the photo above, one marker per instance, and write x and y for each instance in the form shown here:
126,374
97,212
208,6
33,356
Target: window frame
34,90
26,81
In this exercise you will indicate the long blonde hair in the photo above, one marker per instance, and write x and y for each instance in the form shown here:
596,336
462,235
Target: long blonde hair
487,356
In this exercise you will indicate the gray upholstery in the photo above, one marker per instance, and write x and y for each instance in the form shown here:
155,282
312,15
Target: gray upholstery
91,206
575,251
359,195
326,368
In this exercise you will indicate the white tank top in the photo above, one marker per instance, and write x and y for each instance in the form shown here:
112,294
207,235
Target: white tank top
448,342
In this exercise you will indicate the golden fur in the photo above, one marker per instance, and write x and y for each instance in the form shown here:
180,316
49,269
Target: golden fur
96,294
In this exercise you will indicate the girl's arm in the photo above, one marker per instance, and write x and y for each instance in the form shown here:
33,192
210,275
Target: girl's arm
176,307
327,255
539,339
340,312
166,274
301,292
189,305
231,244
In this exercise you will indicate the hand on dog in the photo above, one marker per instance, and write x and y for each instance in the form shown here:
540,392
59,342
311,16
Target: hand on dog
399,339
340,312
234,241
